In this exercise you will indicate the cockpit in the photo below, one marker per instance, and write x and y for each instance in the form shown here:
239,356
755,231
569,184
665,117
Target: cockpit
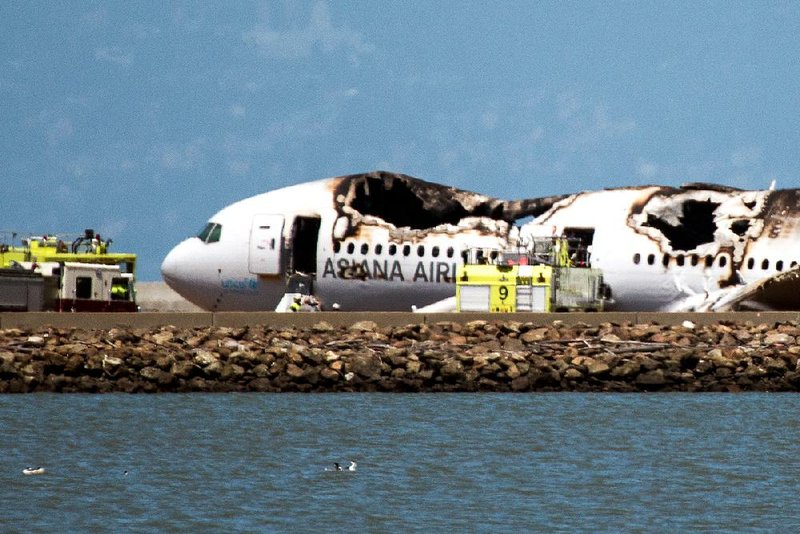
210,233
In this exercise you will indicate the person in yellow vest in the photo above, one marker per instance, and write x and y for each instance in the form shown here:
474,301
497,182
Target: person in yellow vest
119,292
562,253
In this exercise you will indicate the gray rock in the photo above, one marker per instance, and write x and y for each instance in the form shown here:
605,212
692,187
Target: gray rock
364,326
778,338
652,378
205,358
365,366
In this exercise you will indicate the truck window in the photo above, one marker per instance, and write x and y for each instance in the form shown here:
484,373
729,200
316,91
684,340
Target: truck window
119,289
83,287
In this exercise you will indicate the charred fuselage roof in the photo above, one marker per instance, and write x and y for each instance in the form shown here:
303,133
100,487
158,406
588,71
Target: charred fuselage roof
405,201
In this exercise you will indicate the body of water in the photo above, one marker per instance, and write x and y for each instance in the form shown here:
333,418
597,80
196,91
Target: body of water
426,462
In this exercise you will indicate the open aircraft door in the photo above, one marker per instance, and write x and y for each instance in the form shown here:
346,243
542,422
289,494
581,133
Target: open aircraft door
266,245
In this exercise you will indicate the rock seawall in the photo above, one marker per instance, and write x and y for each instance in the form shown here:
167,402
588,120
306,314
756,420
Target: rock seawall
474,356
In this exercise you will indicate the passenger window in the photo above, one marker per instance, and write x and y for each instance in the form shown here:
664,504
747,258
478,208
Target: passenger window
406,250
723,261
450,252
420,251
709,260
83,287
793,264
351,247
779,265
750,263
435,252
636,258
337,246
392,249
665,260
679,260
651,259
364,248
765,264
378,249
695,259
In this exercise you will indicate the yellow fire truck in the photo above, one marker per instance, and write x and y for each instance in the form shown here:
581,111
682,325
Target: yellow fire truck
45,273
541,277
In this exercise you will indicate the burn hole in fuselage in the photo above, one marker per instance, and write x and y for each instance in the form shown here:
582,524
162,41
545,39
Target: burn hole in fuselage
740,227
397,203
696,226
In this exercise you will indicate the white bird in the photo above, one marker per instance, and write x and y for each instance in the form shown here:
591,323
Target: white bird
352,466
33,471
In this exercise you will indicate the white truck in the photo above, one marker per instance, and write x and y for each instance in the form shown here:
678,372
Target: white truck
66,286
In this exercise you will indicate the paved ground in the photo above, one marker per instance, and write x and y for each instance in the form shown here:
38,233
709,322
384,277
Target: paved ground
156,296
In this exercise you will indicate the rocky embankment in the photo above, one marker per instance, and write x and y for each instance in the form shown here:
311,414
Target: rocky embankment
475,356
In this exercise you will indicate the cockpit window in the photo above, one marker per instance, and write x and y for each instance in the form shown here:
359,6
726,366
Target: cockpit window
213,237
211,233
203,235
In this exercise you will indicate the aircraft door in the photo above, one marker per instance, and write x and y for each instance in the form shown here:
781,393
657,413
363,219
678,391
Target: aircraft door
579,243
303,253
266,244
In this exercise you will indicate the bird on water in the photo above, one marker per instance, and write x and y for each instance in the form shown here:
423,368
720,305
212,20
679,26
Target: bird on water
33,471
337,467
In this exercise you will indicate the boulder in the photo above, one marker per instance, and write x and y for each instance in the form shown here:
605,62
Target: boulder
572,374
365,366
597,369
294,371
364,326
204,358
778,338
651,378
452,370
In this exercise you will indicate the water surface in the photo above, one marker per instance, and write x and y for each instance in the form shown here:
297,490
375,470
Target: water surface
426,462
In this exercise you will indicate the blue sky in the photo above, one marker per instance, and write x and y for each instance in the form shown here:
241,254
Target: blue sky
142,119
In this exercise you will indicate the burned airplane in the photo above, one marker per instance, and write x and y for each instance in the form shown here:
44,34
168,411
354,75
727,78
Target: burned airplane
386,241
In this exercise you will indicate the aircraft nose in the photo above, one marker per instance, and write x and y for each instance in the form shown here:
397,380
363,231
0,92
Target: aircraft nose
170,267
180,270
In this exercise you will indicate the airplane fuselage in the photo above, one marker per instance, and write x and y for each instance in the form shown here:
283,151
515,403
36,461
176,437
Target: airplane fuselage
390,242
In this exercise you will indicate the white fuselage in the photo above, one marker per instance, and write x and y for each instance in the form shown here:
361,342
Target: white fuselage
363,263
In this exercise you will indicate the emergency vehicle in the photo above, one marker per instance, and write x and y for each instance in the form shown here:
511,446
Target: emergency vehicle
550,274
46,273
